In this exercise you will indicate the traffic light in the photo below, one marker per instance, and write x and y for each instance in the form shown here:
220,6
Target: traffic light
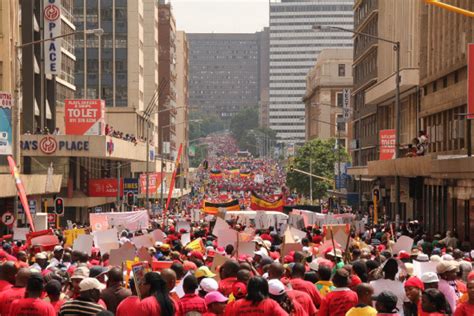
130,198
59,206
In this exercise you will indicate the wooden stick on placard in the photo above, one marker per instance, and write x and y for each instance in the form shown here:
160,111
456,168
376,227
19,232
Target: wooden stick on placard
346,251
332,239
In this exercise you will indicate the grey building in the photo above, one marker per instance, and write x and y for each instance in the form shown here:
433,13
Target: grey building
225,75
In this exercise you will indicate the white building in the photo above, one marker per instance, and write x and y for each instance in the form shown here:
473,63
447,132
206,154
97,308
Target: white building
294,47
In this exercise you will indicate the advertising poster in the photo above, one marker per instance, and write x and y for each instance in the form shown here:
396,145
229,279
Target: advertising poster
104,187
387,144
5,123
84,117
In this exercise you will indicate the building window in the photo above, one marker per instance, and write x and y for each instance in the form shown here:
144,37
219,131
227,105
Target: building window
445,81
339,99
435,86
342,70
341,125
456,77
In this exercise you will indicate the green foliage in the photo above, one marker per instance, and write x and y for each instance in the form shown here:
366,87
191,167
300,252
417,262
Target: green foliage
200,155
208,124
244,121
323,155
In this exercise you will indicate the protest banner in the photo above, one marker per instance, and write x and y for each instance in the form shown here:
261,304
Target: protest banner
341,233
403,243
226,237
146,240
106,240
83,243
132,221
121,255
71,234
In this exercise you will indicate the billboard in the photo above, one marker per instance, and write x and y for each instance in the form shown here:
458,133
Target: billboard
470,82
84,117
130,185
387,144
5,123
154,182
104,187
52,29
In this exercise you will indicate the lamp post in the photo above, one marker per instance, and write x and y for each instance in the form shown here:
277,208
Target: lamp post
396,48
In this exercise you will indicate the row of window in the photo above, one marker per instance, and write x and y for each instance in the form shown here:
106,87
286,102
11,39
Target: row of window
310,8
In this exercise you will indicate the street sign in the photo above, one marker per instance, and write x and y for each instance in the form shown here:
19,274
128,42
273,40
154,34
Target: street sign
8,218
51,218
52,29
6,138
346,105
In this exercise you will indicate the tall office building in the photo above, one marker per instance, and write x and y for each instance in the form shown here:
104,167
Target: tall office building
225,73
294,47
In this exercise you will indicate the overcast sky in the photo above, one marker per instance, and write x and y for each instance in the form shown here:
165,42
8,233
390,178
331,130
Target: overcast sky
221,16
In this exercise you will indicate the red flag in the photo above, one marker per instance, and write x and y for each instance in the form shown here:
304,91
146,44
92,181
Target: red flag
21,191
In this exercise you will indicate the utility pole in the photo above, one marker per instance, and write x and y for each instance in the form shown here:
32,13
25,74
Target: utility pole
119,166
311,180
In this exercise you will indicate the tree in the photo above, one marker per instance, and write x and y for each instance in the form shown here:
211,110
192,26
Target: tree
324,156
244,121
208,123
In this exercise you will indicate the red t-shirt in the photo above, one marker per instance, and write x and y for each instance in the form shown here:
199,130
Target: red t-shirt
304,299
338,302
5,285
31,307
150,307
307,287
57,305
7,297
267,307
191,303
128,306
464,309
225,286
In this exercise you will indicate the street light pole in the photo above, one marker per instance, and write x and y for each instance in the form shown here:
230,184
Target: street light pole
396,48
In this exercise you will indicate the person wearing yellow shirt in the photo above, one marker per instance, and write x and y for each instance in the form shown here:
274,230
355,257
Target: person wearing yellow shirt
364,306
324,285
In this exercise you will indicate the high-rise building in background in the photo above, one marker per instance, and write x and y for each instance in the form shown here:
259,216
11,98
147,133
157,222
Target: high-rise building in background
294,47
263,43
224,72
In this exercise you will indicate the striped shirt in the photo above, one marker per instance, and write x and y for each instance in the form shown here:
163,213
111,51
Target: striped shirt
80,308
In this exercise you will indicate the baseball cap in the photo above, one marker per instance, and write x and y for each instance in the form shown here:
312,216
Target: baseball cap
80,273
58,248
423,257
387,298
429,277
96,271
91,284
215,297
276,287
41,256
209,285
204,272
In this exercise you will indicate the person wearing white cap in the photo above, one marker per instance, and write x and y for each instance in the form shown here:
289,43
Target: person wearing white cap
430,280
207,285
277,292
87,302
447,273
57,256
41,262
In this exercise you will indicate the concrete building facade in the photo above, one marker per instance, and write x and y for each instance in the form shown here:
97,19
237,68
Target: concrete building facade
182,99
326,84
294,47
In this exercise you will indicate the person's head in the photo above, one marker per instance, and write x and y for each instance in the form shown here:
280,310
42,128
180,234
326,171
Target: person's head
243,276
447,270
22,277
34,286
8,271
298,271
385,302
229,249
299,257
178,268
77,276
41,259
433,301
324,273
22,256
390,269
430,280
216,302
230,269
90,289
341,278
359,268
311,276
364,293
170,278
190,284
58,252
114,276
257,289
275,271
154,284
413,289
53,289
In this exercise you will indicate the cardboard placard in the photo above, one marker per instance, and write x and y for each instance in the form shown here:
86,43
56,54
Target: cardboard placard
123,254
71,234
158,235
340,234
403,243
185,238
84,243
183,225
421,267
296,232
287,248
218,261
106,240
227,237
144,255
20,233
246,248
220,225
146,240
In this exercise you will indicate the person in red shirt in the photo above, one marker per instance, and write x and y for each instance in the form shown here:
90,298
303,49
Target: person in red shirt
16,292
434,303
8,271
467,308
228,273
55,297
157,300
341,299
216,303
278,294
131,304
257,302
32,304
298,283
190,302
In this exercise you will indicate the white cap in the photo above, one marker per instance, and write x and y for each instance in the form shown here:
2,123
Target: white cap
91,284
423,257
41,256
435,258
447,257
276,287
314,265
338,253
429,277
209,285
58,248
261,253
267,243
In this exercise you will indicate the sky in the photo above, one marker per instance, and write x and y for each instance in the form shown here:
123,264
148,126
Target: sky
221,16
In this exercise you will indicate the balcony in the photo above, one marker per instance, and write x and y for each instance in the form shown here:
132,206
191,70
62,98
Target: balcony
364,11
404,167
35,184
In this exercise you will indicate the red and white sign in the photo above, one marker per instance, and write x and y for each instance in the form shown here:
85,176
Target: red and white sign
154,182
48,145
8,218
52,29
387,144
104,187
84,117
470,82
51,218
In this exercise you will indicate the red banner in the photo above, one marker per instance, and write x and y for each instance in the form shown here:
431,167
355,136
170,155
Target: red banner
387,144
104,187
470,82
84,117
154,182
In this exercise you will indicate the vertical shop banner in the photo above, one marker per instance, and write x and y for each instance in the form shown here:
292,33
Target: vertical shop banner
84,117
387,144
154,182
470,82
5,123
52,29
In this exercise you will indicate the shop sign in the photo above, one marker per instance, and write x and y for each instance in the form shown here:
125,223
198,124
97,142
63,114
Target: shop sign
49,145
104,187
387,144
